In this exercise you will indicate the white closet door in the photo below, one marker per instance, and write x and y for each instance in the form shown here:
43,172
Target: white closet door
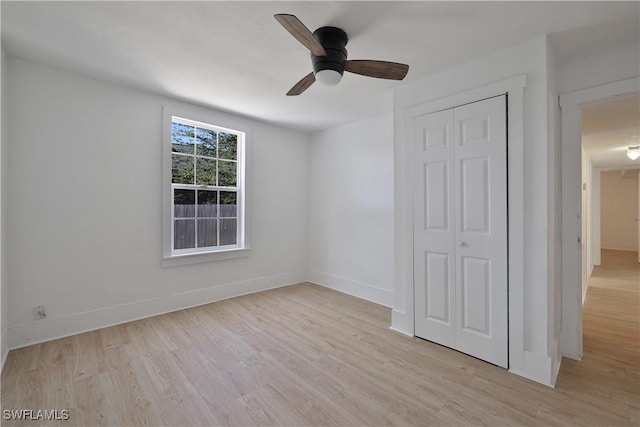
481,230
434,228
460,223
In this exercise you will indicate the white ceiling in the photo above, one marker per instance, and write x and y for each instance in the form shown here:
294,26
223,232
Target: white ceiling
608,129
235,57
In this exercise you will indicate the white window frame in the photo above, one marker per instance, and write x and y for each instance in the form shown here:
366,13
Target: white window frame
209,120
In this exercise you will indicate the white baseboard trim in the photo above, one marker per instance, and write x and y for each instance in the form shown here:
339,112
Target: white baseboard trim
59,327
399,323
4,348
536,367
400,331
556,361
556,370
357,289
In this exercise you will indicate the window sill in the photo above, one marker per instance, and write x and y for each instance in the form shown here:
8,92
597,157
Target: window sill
196,258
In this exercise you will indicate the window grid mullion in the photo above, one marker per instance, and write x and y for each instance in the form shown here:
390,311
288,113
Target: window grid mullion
195,223
195,156
217,158
177,153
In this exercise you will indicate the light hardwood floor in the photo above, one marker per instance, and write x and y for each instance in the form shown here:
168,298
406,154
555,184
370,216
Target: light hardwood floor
306,355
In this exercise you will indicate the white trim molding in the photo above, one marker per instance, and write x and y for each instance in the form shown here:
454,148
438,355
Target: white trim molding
572,297
538,368
399,318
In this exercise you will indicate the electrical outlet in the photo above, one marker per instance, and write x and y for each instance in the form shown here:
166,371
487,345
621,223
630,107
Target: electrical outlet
38,312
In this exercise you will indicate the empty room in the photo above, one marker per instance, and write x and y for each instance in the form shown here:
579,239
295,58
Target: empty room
352,213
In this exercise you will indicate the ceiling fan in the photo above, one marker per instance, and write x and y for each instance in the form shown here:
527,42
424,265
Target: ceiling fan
329,56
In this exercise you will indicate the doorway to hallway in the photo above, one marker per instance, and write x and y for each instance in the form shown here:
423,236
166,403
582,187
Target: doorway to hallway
611,322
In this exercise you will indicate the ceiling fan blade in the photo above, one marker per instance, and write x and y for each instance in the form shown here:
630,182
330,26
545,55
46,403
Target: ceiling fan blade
302,85
301,33
377,69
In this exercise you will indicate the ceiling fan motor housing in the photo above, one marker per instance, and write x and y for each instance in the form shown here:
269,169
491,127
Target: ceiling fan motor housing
333,40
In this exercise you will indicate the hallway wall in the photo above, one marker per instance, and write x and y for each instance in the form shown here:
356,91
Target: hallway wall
619,208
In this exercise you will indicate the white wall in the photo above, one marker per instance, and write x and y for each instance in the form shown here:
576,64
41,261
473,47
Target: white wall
4,349
85,199
534,358
610,66
595,244
351,209
587,221
619,209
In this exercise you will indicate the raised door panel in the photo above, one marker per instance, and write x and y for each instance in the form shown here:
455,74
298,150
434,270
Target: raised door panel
437,281
476,295
474,203
436,195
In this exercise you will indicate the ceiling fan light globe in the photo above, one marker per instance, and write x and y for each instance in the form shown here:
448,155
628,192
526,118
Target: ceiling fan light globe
633,152
328,77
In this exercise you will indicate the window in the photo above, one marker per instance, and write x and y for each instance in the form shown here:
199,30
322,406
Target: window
206,192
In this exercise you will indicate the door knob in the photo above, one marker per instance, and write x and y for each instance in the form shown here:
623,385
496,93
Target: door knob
461,243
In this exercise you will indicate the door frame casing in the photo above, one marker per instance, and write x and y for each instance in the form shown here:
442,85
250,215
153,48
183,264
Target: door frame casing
571,144
403,314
